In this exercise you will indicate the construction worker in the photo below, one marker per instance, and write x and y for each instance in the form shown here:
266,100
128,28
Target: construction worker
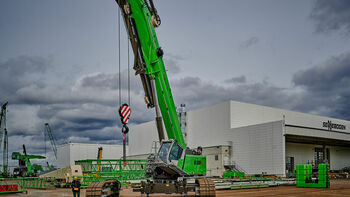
76,187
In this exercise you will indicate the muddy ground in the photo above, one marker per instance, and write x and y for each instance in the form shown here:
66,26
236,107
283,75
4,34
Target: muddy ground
338,188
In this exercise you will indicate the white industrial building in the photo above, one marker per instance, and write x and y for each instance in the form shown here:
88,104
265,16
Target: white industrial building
257,139
67,154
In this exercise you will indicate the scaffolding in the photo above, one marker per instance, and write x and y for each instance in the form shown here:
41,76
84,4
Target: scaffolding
112,169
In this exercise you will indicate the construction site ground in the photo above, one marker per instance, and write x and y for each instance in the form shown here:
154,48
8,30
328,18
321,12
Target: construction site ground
338,188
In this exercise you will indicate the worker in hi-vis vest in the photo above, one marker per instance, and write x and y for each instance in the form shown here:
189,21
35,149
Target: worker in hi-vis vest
76,187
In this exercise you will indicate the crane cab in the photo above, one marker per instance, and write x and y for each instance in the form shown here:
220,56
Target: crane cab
170,152
190,161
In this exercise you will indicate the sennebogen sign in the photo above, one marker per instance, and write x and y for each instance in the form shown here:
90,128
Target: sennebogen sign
331,125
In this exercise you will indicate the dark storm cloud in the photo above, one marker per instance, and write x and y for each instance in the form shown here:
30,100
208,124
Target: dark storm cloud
333,75
16,73
327,87
331,15
196,93
250,42
240,79
86,111
110,81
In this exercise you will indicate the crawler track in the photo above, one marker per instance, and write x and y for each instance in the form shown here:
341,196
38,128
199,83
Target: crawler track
103,188
206,187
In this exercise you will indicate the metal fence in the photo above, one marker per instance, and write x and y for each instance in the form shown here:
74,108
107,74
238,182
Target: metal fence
112,169
13,185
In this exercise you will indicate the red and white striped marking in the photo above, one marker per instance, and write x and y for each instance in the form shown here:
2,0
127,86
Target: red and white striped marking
125,113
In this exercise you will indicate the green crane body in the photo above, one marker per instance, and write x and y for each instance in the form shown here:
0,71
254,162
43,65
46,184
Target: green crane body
52,139
140,19
24,161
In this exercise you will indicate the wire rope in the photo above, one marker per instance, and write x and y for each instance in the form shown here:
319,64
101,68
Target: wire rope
119,76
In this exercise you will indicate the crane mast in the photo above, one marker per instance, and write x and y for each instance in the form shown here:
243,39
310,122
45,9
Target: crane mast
140,19
52,139
3,135
5,155
2,121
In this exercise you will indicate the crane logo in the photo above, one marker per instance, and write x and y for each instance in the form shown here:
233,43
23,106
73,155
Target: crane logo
331,126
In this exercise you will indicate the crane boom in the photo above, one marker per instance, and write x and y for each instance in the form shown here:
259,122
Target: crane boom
140,17
52,139
99,157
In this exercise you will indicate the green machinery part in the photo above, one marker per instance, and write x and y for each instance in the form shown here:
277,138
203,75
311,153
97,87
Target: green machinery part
30,170
194,165
232,174
305,176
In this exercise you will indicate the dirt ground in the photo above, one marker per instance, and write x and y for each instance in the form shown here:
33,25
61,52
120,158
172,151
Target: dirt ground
338,188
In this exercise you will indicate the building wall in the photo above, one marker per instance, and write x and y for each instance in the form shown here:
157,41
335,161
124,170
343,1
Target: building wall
256,149
209,126
259,148
244,114
317,133
339,157
255,133
142,156
63,156
304,154
67,154
141,138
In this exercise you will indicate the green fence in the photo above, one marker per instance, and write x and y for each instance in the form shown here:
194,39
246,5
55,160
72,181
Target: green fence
112,169
13,185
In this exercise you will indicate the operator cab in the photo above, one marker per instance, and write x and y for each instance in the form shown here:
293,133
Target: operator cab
170,152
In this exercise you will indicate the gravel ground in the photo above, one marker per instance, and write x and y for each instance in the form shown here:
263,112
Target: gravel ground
338,188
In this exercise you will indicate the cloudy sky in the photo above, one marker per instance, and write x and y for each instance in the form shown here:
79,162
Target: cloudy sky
59,62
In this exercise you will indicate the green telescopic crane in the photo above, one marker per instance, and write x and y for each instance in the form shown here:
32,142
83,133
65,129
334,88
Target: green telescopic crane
175,162
141,18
